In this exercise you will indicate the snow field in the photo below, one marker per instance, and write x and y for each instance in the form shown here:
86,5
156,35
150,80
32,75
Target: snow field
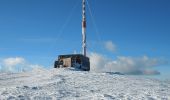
68,84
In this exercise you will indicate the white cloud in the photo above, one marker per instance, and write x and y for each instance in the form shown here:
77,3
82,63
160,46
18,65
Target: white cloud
16,64
13,61
126,65
110,46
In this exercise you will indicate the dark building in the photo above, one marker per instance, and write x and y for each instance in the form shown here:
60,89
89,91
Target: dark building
73,60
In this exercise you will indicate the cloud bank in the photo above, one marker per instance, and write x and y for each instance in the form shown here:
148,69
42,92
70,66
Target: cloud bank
110,46
126,65
16,64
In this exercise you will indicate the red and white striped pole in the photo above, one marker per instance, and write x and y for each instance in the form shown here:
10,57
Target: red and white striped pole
84,28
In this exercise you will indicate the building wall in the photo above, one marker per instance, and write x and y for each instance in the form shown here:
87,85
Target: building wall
67,62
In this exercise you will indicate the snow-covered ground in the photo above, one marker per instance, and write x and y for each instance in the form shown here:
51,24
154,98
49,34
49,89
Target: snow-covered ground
67,84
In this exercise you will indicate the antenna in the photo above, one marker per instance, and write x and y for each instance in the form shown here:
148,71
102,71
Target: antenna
84,27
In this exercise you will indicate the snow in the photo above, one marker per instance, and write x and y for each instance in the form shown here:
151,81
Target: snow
70,84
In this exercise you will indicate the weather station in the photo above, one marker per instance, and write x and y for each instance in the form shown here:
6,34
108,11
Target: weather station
80,61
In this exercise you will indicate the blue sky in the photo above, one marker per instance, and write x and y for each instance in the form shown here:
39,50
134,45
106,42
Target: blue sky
39,30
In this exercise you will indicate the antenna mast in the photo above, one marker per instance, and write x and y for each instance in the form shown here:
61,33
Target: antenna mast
84,27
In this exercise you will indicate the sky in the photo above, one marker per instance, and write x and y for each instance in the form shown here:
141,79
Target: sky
131,32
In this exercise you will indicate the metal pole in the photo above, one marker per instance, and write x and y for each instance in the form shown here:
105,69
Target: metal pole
84,28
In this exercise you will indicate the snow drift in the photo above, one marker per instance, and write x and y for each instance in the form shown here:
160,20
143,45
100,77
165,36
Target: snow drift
69,84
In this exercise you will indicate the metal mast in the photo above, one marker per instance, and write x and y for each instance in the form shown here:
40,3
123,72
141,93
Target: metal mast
84,27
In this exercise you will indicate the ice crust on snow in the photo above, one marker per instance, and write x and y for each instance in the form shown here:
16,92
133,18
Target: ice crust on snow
71,84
